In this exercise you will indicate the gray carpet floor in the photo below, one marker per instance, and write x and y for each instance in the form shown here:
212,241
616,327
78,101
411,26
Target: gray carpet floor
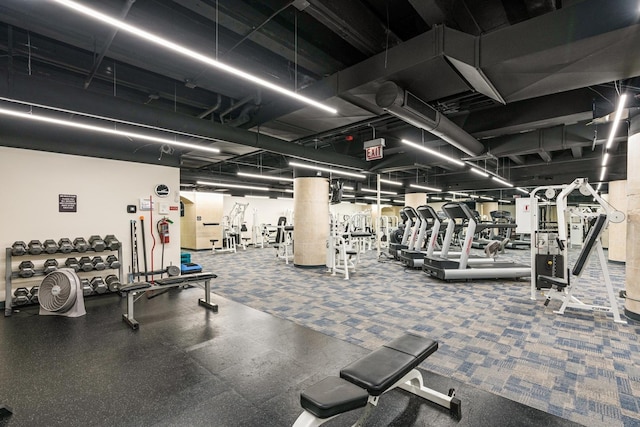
580,366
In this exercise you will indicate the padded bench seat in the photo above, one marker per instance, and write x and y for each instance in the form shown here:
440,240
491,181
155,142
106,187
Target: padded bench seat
557,282
363,382
382,368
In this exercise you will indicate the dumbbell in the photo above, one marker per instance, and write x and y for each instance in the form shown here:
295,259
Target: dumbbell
98,285
80,244
72,263
113,283
50,246
112,261
35,247
26,269
34,294
18,248
65,246
98,263
85,263
50,265
86,287
112,242
96,243
21,296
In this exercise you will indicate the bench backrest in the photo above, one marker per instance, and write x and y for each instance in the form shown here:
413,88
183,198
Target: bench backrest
592,237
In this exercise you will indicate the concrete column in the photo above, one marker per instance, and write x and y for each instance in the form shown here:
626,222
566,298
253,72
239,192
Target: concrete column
618,232
415,199
632,303
311,228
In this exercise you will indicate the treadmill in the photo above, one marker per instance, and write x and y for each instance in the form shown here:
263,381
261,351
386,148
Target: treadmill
430,225
504,217
409,216
451,269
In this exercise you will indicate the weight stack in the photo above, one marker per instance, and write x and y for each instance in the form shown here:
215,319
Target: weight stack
548,265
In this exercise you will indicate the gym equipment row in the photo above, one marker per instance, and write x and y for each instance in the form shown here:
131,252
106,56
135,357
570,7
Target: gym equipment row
46,258
65,245
363,383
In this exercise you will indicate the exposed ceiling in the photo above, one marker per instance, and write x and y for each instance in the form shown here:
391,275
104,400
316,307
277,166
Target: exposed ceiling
533,81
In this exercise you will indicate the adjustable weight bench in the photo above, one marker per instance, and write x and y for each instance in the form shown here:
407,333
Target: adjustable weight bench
363,382
161,284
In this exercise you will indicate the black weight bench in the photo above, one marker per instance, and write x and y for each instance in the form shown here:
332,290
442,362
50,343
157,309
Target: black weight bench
161,284
363,382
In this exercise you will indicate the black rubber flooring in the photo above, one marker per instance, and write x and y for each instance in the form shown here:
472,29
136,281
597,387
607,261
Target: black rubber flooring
189,366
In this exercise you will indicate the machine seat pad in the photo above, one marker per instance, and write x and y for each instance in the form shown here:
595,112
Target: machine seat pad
382,368
333,396
135,287
558,282
360,234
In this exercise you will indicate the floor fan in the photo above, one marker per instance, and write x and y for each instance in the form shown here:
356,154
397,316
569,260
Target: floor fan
60,294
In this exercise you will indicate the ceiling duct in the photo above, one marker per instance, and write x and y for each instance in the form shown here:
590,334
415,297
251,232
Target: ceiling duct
404,105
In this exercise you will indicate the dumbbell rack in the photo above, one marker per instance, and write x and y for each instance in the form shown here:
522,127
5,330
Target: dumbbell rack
10,274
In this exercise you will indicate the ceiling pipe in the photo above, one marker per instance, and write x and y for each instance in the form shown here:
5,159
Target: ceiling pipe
407,107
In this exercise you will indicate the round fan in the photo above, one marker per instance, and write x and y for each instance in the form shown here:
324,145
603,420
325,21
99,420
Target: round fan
60,294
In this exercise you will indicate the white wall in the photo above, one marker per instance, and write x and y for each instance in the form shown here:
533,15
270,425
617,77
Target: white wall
32,181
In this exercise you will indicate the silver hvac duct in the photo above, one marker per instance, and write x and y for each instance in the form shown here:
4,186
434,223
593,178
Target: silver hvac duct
407,107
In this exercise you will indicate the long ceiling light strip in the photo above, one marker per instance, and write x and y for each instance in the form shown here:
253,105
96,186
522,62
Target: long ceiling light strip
390,182
369,190
225,185
269,177
433,152
375,198
501,181
424,187
329,170
616,120
189,53
66,123
456,193
522,190
486,198
111,119
479,172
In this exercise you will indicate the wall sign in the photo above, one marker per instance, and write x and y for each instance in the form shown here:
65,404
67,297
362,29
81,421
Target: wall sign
67,202
162,190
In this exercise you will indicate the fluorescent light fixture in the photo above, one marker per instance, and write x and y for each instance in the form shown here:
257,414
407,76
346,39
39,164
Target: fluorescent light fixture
99,129
605,158
256,197
433,152
522,190
598,187
269,177
423,187
189,53
373,198
486,198
225,185
504,201
323,169
369,190
347,187
450,199
616,120
435,198
388,181
602,173
455,193
348,196
473,196
501,181
479,172
288,190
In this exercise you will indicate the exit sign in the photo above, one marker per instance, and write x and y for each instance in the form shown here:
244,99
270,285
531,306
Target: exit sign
374,153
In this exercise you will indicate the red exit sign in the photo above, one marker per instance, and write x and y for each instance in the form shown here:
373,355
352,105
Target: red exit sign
374,153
